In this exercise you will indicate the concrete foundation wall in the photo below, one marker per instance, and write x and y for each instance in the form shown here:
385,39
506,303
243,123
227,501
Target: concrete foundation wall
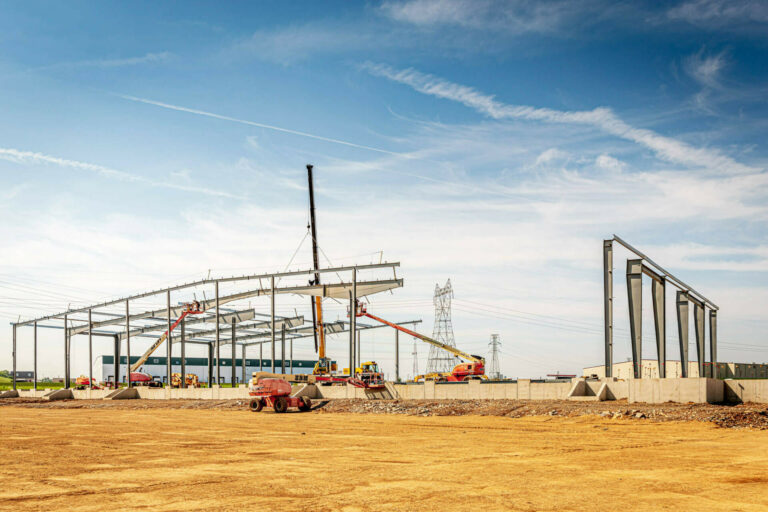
746,391
655,391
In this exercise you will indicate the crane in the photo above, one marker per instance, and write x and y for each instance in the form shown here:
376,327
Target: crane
192,308
473,369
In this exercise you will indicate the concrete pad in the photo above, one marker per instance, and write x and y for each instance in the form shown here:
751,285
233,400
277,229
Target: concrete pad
59,394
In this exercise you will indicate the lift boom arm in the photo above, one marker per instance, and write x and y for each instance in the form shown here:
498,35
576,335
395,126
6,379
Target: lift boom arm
143,359
361,311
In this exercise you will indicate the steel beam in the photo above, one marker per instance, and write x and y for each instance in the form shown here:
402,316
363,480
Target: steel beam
682,330
255,277
713,342
698,328
635,294
608,304
659,319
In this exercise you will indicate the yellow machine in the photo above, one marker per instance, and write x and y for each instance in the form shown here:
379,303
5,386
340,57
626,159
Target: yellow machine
192,380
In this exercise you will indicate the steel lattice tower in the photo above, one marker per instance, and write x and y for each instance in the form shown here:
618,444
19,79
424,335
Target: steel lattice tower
415,355
440,360
494,371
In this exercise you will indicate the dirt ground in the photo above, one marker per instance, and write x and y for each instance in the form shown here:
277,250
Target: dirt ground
184,456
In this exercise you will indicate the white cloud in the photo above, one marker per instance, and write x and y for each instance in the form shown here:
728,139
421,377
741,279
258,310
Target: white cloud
720,13
149,58
609,163
706,69
32,158
666,148
551,155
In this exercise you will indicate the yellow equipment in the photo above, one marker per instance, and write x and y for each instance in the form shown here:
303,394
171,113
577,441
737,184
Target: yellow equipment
192,380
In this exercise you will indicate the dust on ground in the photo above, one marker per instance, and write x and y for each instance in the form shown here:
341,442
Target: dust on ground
215,455
727,416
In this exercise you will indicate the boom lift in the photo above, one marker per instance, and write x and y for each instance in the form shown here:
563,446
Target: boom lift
474,369
192,308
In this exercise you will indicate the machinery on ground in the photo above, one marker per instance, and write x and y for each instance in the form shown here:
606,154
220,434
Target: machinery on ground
192,308
275,393
367,375
192,380
144,379
83,382
473,369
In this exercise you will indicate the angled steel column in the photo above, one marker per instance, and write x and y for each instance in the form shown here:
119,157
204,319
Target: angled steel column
183,338
698,328
218,352
34,342
168,341
66,355
90,350
272,310
608,304
245,377
658,288
13,353
713,342
397,355
234,355
128,344
635,294
282,349
682,330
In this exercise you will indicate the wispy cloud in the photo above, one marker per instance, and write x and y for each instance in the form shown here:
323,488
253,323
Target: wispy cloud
706,71
31,158
260,125
666,148
149,58
720,13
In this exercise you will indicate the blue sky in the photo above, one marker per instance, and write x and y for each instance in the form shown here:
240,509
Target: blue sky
493,143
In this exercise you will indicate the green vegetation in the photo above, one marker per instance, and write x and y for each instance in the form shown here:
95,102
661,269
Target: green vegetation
6,383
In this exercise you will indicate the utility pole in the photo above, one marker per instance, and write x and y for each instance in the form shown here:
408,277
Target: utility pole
415,355
495,369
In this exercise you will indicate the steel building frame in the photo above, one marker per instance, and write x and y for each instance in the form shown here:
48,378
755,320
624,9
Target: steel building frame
636,268
242,324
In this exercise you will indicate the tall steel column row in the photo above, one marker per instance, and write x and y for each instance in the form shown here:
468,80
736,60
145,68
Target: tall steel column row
635,270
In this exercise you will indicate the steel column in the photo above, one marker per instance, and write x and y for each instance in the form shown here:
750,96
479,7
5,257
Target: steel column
397,355
658,288
352,322
218,342
234,355
358,358
272,310
261,357
13,353
117,361
282,349
210,365
34,362
713,342
128,343
90,350
682,330
608,304
66,355
245,377
698,328
183,340
635,293
168,341
290,342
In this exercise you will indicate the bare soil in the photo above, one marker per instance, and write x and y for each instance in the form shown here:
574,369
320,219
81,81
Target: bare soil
215,455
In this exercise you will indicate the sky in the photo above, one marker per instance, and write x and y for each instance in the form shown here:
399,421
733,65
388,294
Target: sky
492,143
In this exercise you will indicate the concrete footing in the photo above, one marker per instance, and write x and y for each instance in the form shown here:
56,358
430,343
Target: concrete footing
59,394
123,394
11,393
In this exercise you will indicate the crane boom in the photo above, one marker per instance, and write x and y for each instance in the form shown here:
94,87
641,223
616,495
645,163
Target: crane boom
361,311
317,302
190,309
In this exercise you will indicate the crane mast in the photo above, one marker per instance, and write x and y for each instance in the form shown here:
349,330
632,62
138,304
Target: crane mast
316,302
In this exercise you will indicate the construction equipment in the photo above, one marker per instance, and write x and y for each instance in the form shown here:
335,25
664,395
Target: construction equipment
192,308
191,380
83,382
474,369
324,366
275,393
144,379
367,375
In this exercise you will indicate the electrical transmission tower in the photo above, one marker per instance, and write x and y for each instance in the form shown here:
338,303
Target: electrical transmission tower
415,355
440,360
494,371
